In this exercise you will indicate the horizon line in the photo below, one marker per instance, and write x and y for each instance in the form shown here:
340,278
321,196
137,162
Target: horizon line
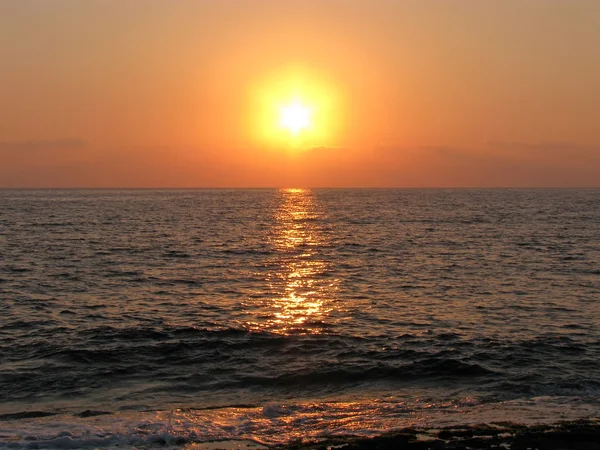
280,187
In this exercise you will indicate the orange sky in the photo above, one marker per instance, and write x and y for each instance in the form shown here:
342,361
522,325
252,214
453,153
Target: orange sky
150,93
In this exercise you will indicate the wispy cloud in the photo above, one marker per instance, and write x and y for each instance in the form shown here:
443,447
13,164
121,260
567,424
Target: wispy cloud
547,150
49,144
506,163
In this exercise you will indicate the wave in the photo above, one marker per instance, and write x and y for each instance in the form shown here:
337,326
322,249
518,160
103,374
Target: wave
440,369
194,359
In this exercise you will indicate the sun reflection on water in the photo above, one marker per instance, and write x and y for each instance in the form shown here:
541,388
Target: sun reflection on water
301,282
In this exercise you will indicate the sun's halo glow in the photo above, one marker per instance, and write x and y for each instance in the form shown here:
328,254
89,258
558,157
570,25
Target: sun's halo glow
295,110
294,117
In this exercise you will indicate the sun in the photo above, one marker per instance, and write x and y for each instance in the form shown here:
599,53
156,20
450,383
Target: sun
295,109
294,117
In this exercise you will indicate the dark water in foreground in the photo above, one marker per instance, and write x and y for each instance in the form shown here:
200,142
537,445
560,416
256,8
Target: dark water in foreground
273,314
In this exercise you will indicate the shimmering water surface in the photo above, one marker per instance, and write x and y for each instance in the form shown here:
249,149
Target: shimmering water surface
273,314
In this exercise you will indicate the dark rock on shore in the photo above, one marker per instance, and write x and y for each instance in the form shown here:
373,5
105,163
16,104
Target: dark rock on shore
577,435
90,413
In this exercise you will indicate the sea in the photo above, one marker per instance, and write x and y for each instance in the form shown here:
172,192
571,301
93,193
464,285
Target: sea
152,318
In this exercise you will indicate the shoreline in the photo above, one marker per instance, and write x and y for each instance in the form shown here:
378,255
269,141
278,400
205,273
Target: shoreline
578,434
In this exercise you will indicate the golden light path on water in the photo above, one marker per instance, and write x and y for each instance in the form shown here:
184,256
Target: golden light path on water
300,282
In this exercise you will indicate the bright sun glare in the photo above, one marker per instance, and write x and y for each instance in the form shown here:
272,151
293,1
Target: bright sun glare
295,117
294,110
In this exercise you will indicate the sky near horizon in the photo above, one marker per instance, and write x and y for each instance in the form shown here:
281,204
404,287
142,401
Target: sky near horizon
404,93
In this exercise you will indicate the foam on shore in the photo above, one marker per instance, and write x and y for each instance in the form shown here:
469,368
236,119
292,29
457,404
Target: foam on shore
273,424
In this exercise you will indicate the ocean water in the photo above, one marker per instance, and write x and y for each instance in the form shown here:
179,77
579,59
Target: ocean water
145,317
